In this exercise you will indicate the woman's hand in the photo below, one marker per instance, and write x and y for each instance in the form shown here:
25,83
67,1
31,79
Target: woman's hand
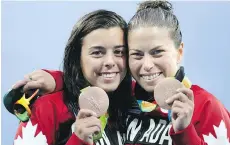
38,79
182,108
86,125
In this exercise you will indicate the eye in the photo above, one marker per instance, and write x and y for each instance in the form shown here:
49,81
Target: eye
119,53
136,55
156,52
97,53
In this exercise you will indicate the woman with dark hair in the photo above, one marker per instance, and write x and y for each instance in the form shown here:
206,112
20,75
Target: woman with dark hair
155,52
95,55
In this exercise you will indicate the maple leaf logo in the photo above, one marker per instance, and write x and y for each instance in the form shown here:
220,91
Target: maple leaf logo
221,134
29,138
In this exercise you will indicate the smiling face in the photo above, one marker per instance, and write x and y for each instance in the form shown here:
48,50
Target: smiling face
103,58
152,55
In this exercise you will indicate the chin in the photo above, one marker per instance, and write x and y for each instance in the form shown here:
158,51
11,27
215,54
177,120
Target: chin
109,87
148,88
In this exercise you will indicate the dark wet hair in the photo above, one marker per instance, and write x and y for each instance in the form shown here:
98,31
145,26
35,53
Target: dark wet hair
74,80
157,14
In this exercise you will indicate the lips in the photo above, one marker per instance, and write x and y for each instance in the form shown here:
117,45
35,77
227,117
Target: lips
108,75
150,76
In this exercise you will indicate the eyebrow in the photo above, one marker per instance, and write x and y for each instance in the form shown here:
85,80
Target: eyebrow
119,46
157,47
101,47
96,47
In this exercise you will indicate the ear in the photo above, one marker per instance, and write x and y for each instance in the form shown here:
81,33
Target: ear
180,53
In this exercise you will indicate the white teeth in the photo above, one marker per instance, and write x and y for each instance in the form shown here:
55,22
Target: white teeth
109,75
150,77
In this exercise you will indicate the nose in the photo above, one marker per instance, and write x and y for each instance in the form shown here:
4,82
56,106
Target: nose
148,63
109,61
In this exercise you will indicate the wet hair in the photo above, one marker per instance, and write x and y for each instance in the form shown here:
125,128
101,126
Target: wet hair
74,80
157,14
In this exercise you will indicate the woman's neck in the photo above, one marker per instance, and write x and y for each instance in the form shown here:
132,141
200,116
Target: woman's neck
150,97
109,93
